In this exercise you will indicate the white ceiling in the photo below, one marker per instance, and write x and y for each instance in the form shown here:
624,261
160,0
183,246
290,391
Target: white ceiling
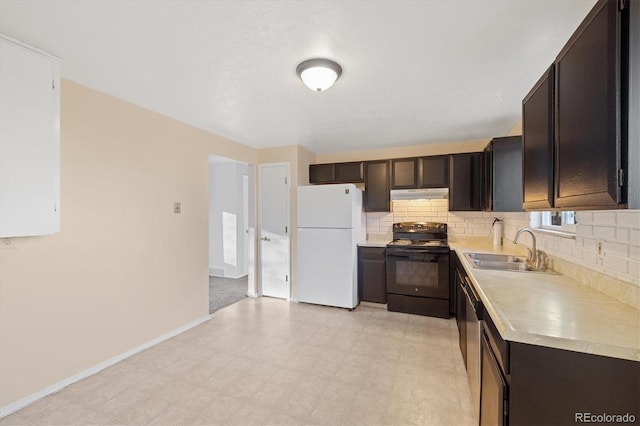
414,71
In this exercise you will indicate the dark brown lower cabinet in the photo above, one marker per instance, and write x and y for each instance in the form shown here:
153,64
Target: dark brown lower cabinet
494,391
372,282
558,387
525,384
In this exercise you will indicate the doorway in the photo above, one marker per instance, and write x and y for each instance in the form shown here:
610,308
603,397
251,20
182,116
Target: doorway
231,219
275,229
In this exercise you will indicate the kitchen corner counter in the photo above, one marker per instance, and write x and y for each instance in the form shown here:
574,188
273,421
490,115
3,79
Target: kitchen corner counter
553,310
373,243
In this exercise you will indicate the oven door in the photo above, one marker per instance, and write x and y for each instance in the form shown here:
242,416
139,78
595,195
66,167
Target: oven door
416,272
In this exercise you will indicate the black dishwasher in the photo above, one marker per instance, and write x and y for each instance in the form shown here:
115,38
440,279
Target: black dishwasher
461,315
473,329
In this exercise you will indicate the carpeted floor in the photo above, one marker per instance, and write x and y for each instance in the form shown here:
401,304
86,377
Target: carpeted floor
226,291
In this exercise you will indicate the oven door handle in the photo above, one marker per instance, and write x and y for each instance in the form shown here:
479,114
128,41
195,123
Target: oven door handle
398,253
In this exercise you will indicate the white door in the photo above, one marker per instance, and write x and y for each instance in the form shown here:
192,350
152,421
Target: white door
273,202
245,222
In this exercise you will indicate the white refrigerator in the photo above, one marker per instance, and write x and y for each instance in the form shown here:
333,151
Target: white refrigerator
331,223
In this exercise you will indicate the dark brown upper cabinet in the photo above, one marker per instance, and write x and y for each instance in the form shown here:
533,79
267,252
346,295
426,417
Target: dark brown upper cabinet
465,181
322,173
537,144
351,172
377,185
502,175
575,119
434,171
404,173
591,93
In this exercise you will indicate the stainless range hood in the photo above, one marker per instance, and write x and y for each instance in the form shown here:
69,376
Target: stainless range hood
420,194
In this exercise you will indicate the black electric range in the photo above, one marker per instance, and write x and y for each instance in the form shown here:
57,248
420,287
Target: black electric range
418,269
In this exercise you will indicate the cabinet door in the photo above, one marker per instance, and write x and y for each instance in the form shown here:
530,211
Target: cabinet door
349,172
372,273
322,173
434,172
465,181
493,399
537,144
404,173
506,174
486,190
376,182
461,315
29,142
588,112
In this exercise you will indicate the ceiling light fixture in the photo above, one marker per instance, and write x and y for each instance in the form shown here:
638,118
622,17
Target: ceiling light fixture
319,74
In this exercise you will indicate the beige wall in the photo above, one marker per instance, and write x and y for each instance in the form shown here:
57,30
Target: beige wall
124,269
516,129
305,158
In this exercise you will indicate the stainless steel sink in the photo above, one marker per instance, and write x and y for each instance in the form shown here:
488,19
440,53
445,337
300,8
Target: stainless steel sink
489,257
507,266
502,262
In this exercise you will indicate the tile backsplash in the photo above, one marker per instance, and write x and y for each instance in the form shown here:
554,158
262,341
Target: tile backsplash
606,241
472,224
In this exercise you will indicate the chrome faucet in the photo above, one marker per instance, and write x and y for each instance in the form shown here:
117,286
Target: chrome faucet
535,257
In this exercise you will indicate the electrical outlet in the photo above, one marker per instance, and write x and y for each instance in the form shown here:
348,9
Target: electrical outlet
177,208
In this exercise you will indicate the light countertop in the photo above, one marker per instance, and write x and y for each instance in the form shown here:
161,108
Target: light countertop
376,240
553,310
374,243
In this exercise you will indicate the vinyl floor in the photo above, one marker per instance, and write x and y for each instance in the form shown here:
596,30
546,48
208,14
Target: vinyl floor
271,362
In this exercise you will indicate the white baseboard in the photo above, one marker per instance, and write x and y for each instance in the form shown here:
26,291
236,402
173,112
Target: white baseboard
252,294
15,406
216,272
